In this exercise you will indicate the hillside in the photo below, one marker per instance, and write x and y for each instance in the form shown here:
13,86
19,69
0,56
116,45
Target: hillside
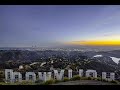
49,59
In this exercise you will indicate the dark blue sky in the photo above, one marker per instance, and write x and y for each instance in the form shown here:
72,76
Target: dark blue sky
50,25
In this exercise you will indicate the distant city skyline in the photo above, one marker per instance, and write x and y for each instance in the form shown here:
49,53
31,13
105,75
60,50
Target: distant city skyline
54,25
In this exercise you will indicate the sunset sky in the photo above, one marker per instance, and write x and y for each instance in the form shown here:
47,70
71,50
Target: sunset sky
51,25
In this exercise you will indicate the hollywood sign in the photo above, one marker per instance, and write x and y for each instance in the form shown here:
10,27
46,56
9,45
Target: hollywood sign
11,76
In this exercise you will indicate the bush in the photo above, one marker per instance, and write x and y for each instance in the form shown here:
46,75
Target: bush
56,81
2,76
84,78
2,83
77,77
89,78
1,79
38,81
25,83
98,79
94,78
48,82
114,81
104,80
65,79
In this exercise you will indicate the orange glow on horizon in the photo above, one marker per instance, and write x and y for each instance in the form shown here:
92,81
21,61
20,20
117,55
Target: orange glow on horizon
96,43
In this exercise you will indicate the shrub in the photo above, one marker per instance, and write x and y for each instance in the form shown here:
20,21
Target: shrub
25,83
94,78
77,77
2,76
84,78
89,78
1,79
65,79
99,79
38,81
104,80
114,81
2,83
56,81
48,82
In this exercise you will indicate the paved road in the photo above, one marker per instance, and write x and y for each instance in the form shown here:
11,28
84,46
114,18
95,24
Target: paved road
84,82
